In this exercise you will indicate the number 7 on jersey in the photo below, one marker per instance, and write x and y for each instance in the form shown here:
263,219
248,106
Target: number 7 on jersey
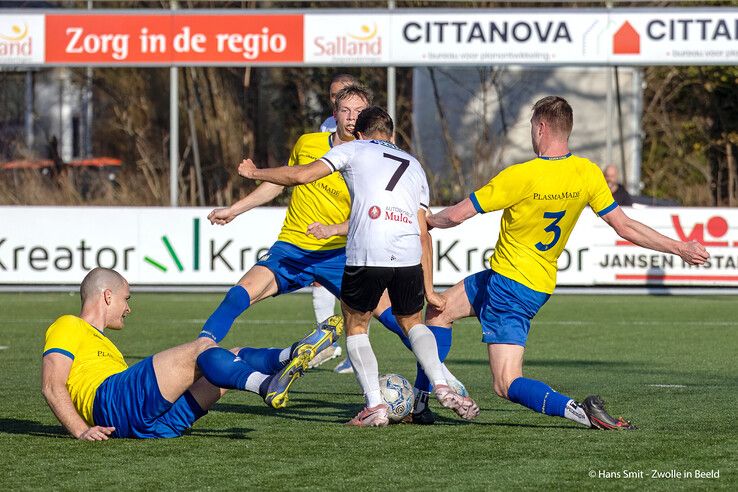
404,164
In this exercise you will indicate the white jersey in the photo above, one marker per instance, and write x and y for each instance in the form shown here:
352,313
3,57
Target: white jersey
329,125
388,187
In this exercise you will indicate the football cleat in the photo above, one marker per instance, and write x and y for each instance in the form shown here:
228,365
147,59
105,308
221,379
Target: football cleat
279,383
320,338
594,407
421,413
463,406
344,367
329,353
376,416
424,417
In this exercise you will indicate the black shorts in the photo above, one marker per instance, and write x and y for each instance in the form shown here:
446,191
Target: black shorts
362,286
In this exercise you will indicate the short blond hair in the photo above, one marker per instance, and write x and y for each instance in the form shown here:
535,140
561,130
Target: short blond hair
555,111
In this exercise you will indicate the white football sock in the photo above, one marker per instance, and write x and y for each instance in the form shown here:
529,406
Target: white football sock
366,367
323,303
448,375
575,412
426,351
253,382
285,355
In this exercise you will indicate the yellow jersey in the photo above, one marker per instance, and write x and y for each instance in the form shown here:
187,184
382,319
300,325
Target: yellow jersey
326,200
542,200
94,359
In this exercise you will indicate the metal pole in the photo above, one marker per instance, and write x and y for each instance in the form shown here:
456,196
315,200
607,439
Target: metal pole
87,108
173,137
621,138
196,156
608,117
635,176
173,132
29,110
391,83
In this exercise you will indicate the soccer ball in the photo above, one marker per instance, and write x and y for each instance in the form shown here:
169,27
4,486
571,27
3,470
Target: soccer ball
397,393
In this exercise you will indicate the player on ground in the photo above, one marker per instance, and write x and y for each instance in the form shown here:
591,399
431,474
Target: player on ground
388,248
542,200
323,301
94,393
298,259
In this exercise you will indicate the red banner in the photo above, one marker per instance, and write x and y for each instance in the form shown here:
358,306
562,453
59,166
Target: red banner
174,38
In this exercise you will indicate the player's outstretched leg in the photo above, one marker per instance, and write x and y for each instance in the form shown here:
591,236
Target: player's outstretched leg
323,304
235,302
426,352
421,412
272,360
366,370
322,337
540,397
227,370
594,408
278,385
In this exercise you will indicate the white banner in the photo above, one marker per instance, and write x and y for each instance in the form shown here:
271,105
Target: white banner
497,37
22,39
167,246
346,39
696,36
673,37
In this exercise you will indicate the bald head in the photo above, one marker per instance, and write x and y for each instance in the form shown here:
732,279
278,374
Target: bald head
99,280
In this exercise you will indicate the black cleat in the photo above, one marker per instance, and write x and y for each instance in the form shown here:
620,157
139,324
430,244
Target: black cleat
424,417
594,407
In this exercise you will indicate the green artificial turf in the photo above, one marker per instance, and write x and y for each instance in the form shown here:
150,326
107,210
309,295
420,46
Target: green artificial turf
666,363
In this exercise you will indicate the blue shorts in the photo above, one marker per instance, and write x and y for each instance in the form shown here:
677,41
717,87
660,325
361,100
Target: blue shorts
503,306
131,402
295,268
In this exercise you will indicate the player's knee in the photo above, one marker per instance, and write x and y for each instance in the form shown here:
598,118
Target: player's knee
436,317
501,385
201,344
500,388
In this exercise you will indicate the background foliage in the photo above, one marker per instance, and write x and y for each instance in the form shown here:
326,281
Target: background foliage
690,125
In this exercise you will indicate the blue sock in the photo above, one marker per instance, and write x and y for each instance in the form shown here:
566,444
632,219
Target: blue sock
236,301
537,396
443,341
389,321
224,369
264,360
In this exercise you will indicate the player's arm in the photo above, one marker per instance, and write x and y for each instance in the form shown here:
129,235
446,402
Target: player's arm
426,261
324,231
453,216
264,193
54,374
285,175
640,234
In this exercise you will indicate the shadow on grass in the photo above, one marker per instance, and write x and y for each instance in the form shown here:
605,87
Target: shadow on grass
31,428
317,410
230,433
533,362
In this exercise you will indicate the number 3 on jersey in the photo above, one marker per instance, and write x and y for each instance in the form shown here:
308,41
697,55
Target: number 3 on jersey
552,227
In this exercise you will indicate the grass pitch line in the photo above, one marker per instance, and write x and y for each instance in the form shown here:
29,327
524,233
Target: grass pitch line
4,347
667,385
